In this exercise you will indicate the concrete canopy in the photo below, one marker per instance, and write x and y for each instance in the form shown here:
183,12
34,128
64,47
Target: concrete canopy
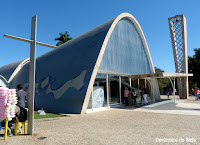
159,75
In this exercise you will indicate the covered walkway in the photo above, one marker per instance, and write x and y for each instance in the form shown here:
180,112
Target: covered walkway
171,76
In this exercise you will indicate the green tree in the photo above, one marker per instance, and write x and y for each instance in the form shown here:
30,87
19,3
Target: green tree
64,37
194,67
164,83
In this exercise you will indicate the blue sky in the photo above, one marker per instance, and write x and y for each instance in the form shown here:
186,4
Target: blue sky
77,17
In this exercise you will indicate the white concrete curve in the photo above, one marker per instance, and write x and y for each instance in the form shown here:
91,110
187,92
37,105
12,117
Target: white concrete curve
19,67
98,62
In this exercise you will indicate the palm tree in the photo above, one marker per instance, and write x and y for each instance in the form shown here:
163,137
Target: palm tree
158,70
64,37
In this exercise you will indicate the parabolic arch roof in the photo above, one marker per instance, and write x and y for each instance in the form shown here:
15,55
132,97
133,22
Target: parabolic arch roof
106,62
65,75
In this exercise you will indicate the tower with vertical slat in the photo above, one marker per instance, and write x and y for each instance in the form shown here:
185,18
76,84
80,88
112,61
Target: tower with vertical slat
178,32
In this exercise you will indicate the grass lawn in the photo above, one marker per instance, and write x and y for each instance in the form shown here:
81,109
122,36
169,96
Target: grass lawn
48,115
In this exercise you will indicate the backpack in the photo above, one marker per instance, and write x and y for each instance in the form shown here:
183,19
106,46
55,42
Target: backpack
23,115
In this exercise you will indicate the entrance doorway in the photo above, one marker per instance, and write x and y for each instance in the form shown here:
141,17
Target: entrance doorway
108,91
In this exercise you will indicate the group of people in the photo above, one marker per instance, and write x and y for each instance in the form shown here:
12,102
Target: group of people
130,96
21,97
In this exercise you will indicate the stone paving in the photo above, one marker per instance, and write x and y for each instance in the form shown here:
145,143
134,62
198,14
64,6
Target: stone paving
160,123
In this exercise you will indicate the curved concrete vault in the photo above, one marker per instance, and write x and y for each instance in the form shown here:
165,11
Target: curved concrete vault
65,76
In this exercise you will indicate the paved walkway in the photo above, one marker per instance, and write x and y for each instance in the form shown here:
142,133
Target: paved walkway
159,123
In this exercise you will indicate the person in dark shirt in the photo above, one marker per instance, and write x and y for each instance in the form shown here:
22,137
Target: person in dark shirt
21,96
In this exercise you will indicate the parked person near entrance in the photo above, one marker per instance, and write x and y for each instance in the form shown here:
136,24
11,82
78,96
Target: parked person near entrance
145,96
142,93
134,97
196,93
126,96
130,96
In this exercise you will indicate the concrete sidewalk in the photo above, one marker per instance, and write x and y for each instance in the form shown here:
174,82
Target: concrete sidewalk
159,123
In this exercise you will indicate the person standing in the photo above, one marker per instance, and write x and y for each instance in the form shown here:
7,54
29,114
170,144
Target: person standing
142,93
21,97
196,93
145,96
126,91
130,96
170,91
134,97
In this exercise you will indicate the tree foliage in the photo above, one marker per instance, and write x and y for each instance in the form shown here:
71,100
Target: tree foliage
64,37
194,67
158,70
164,83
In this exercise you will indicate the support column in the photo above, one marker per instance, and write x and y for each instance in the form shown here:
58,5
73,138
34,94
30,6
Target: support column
153,92
174,90
92,99
152,87
145,83
107,87
32,77
120,90
138,84
130,82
